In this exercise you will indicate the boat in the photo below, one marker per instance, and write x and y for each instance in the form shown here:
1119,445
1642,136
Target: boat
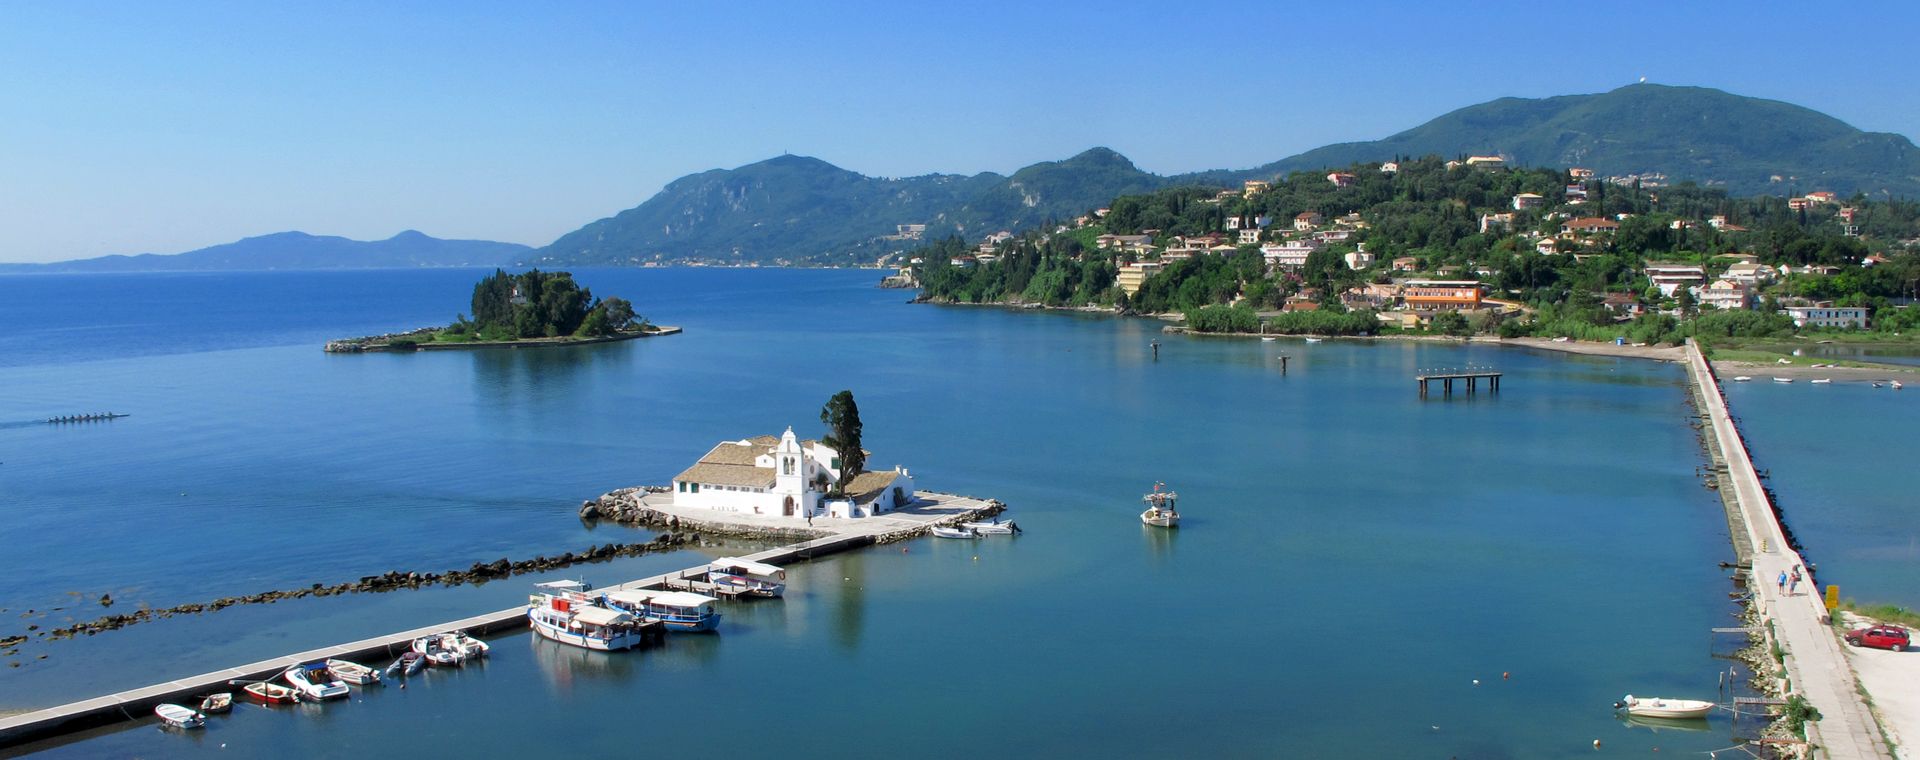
1315,340
353,672
270,693
1783,379
474,648
746,577
215,704
1897,385
1823,381
179,717
408,663
434,652
995,528
566,612
1656,707
1665,724
313,681
1161,510
1742,379
677,610
942,531
1267,339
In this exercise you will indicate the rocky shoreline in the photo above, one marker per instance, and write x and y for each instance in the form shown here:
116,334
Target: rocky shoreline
422,340
394,580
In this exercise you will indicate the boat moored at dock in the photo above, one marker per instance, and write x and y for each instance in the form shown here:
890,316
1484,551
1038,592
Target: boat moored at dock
677,610
1655,707
1161,509
741,577
994,528
352,672
942,531
313,681
564,611
180,717
270,693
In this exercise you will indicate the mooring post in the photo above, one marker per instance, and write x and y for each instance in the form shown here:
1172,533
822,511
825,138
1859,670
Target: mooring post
1283,364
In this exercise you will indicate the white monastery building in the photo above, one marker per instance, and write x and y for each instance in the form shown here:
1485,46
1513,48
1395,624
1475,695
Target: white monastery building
786,477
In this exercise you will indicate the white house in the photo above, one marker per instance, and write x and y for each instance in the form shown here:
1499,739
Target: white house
1827,316
1291,255
1358,260
1250,236
1526,201
1669,278
785,477
1725,294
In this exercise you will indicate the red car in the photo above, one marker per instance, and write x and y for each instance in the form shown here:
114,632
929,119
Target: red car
1880,637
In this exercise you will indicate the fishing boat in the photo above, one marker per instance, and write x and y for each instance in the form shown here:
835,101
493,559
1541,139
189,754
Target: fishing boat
1823,381
746,577
314,682
994,528
215,704
564,611
1783,379
270,693
179,717
677,610
474,648
942,531
1897,385
1315,340
1655,707
408,663
353,672
1742,379
1161,511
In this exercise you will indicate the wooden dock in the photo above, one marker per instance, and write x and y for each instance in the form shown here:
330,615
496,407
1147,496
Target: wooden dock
1471,376
137,704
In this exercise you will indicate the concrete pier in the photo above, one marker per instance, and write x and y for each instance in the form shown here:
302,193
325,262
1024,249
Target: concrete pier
1817,667
931,508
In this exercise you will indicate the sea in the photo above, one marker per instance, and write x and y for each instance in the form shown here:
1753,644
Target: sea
1361,572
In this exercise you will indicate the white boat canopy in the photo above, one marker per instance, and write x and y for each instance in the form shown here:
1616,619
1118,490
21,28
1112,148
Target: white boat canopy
679,599
561,585
631,597
756,568
601,616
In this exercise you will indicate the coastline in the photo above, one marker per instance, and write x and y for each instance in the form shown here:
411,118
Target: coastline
376,343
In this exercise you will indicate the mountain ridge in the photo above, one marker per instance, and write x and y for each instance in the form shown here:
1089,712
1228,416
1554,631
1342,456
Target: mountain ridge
300,251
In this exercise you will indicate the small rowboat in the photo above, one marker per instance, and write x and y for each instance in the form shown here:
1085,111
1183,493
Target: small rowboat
1742,379
942,531
1655,707
1783,379
216,704
270,693
353,672
1823,381
180,717
436,651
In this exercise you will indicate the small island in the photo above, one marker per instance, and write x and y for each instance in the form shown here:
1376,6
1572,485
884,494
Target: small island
533,308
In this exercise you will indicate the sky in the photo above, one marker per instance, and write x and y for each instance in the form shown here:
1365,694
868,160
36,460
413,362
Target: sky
165,127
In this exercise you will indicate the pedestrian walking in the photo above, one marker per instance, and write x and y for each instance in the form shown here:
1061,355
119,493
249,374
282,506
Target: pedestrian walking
1783,581
1793,585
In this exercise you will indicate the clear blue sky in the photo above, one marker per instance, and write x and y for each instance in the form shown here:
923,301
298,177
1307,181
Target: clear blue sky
163,127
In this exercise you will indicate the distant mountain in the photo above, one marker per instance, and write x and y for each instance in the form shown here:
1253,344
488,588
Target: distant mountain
299,250
1687,133
798,209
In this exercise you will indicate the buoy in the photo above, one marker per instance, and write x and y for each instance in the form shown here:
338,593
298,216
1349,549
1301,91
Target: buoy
1476,682
1504,675
1596,744
976,558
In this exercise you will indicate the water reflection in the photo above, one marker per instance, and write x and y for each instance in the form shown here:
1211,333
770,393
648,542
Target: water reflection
1159,542
850,602
564,666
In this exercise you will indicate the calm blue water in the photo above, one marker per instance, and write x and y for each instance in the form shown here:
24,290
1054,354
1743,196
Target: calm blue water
1353,558
1834,452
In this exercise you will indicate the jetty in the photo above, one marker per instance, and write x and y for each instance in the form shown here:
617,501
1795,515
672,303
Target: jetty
930,508
1817,669
1470,376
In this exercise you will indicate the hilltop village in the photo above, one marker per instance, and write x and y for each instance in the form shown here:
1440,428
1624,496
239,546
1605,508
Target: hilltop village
1459,247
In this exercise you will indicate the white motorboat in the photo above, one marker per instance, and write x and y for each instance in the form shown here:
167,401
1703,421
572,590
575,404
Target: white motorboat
564,611
1742,379
1823,381
474,648
1315,340
677,610
180,717
1267,339
1656,707
942,531
1783,379
436,652
314,682
353,672
994,528
746,577
1897,385
1162,511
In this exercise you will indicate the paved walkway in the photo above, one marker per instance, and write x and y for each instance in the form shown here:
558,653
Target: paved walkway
1815,663
928,508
